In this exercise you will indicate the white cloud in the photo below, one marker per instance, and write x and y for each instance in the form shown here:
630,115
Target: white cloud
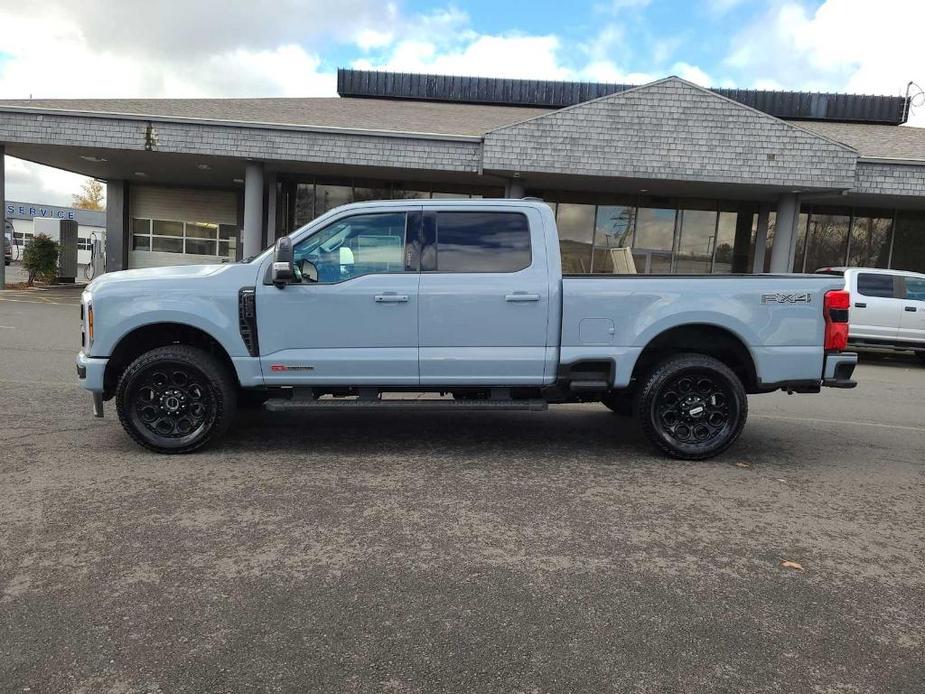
845,45
28,182
692,73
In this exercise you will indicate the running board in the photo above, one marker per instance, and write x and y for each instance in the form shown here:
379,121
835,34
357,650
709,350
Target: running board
279,405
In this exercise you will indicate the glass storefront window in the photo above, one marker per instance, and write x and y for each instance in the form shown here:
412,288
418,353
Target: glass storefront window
827,242
725,243
304,210
613,229
166,244
909,241
654,240
371,190
576,236
870,242
695,243
327,197
199,230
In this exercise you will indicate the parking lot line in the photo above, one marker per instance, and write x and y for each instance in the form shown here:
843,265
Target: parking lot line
846,422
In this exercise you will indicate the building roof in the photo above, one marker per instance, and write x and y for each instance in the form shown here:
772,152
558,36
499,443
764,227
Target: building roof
402,115
873,141
349,113
855,108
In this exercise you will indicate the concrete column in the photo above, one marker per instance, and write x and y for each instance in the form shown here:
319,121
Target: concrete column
118,228
516,188
253,208
3,211
761,237
271,208
785,238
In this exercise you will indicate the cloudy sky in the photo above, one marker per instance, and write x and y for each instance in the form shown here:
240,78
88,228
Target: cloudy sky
214,48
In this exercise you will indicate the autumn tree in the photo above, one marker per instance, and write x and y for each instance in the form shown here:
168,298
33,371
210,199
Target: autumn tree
92,196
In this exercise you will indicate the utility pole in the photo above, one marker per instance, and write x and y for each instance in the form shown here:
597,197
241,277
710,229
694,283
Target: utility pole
3,214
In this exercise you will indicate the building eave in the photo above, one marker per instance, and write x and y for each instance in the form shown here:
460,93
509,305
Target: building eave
242,123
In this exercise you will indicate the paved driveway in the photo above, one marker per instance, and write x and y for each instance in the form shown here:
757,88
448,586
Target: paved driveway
457,552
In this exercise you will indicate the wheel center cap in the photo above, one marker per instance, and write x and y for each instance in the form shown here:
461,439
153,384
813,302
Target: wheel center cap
172,401
694,407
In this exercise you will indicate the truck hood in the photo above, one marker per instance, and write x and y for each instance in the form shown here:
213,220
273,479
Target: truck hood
158,273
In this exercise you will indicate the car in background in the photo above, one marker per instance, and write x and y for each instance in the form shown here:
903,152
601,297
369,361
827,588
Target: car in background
7,250
887,308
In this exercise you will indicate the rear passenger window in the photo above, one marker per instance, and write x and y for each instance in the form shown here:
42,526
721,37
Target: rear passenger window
915,289
482,242
875,285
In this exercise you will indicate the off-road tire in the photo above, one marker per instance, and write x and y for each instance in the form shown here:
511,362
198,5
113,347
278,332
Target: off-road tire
663,380
216,385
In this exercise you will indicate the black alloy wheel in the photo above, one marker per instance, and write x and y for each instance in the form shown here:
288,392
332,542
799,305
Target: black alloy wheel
692,406
175,399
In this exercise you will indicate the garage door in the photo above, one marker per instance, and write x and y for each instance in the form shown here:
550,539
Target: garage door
181,226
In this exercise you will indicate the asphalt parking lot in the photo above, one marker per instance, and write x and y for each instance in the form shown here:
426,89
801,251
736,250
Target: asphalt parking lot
456,552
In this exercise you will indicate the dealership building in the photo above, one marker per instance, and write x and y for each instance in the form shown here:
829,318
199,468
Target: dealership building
692,180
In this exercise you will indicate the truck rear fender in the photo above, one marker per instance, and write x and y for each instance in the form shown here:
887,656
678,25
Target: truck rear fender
701,338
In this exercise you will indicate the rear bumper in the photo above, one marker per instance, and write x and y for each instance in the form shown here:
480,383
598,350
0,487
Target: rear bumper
838,370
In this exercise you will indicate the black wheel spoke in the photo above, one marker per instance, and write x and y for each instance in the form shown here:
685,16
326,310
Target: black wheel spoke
170,400
693,408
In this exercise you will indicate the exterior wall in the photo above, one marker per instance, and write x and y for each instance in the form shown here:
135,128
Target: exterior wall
890,179
671,130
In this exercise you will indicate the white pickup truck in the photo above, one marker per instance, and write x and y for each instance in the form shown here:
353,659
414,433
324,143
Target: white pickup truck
887,308
459,297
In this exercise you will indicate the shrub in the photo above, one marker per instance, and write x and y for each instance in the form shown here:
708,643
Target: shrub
40,258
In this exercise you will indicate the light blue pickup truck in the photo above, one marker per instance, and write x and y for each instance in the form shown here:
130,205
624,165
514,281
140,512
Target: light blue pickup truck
465,299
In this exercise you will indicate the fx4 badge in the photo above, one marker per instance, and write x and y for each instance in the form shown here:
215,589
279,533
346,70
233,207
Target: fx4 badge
779,298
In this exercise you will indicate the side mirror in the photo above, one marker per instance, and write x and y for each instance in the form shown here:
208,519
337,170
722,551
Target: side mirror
282,270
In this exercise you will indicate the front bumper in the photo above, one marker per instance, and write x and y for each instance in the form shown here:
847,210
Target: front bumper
90,372
838,370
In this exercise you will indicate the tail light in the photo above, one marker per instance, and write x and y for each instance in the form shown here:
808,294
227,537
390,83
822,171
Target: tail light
835,310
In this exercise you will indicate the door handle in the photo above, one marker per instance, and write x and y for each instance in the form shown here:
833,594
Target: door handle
860,304
518,297
910,309
391,298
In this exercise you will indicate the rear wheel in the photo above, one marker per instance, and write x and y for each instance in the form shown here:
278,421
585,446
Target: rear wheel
692,406
176,399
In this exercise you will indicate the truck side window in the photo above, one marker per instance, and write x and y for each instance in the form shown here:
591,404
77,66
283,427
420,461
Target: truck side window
480,242
915,289
359,245
870,284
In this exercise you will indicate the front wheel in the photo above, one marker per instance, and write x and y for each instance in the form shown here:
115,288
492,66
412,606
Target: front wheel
692,406
176,399
921,355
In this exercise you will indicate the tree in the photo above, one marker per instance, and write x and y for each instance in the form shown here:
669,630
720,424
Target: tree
92,196
40,258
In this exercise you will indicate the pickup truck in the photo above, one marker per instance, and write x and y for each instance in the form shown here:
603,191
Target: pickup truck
887,308
466,299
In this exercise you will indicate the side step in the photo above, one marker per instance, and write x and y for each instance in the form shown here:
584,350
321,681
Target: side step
279,405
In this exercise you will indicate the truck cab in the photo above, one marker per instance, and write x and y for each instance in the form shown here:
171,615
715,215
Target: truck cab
466,301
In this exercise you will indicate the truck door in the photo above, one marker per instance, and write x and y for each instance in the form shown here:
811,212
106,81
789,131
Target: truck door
912,325
876,308
484,298
358,323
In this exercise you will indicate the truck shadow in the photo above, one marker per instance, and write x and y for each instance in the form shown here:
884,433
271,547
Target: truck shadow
572,431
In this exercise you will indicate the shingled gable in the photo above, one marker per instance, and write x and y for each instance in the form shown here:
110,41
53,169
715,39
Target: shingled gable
671,130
